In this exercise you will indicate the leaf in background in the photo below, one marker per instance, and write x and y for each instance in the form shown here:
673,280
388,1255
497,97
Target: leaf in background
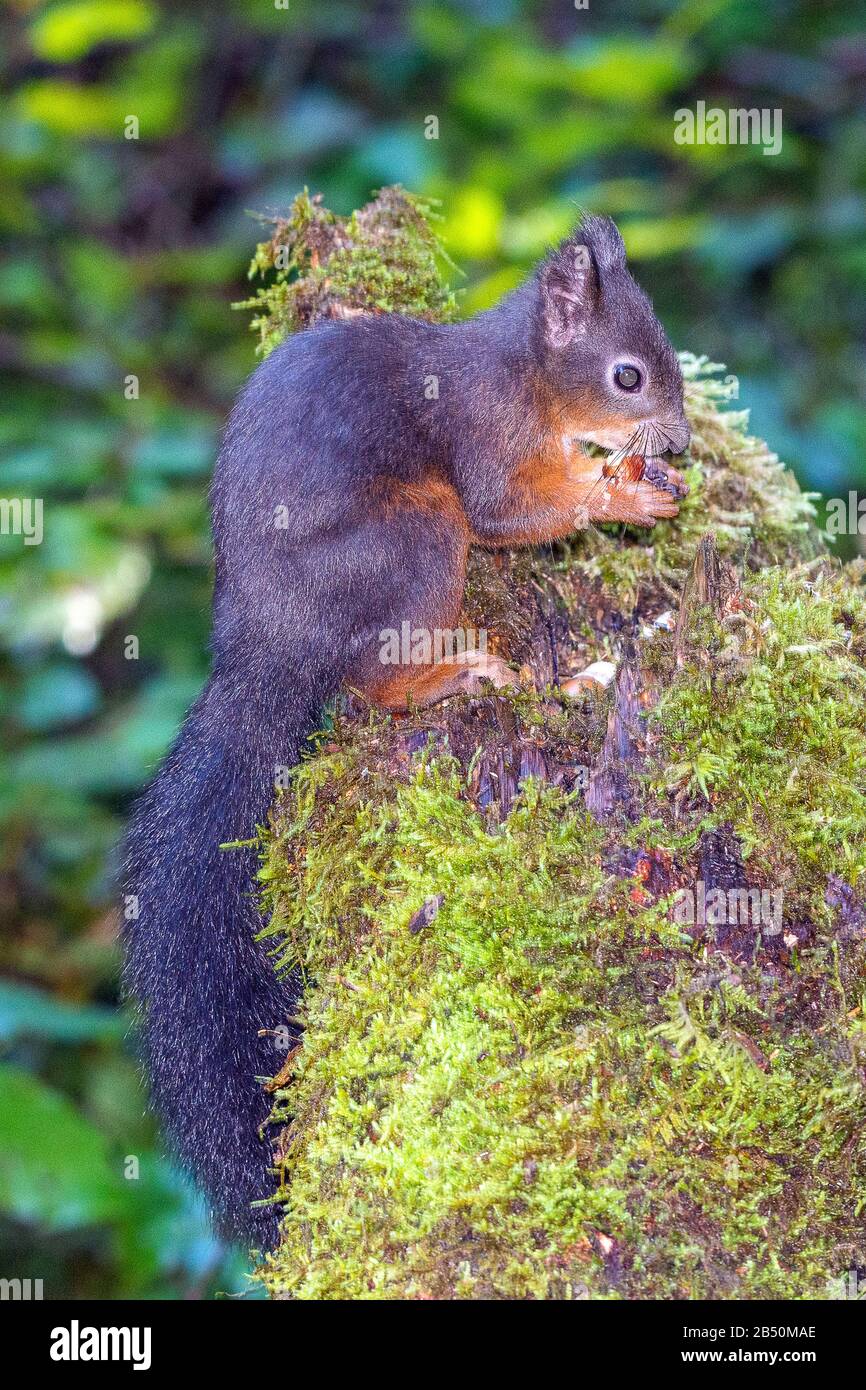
72,585
26,1012
54,1167
557,145
483,294
396,154
738,244
122,755
662,236
56,695
177,450
629,72
67,109
472,228
67,32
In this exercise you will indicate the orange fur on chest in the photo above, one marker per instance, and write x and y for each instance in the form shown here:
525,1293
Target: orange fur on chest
559,475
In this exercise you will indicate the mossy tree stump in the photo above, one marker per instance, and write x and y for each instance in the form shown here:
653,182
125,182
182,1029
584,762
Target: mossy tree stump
525,1070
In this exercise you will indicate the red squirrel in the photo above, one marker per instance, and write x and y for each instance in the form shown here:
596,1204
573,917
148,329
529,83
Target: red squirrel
345,499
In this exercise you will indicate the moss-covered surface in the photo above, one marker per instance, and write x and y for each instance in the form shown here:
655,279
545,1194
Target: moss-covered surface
554,1089
524,1073
384,258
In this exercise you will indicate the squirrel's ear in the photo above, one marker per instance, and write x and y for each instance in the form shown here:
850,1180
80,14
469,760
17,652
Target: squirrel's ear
567,284
602,237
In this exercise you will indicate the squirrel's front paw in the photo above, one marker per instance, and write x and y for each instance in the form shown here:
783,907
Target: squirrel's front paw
653,503
660,490
643,500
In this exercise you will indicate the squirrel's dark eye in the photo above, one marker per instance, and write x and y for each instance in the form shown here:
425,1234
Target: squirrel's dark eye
627,378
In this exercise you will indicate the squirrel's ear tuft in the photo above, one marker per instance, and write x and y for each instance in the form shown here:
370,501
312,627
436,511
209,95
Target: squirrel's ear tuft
602,237
571,277
567,284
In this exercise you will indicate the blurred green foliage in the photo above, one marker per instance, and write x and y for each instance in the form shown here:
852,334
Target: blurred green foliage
120,358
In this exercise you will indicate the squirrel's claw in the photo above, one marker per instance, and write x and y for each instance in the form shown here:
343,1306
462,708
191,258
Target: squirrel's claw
664,477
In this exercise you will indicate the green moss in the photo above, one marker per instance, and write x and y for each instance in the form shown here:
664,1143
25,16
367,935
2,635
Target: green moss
385,258
772,734
548,1091
551,1090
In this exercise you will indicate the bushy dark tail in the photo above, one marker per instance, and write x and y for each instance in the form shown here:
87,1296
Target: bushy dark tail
202,985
